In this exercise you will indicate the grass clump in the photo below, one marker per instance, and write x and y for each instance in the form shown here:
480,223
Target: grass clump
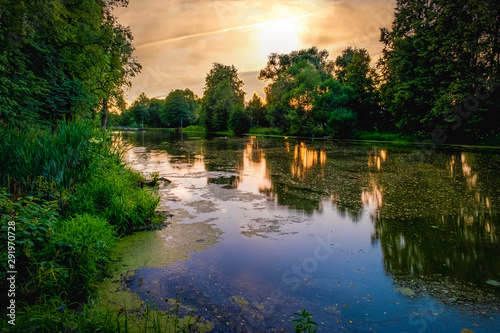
195,128
113,193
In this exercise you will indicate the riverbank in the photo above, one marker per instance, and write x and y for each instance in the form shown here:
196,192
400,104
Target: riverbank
66,199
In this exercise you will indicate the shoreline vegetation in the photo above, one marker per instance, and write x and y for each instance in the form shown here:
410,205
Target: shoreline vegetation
69,197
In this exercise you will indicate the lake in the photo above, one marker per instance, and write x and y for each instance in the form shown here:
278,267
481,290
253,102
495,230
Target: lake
368,237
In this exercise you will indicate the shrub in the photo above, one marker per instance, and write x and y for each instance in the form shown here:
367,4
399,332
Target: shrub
341,122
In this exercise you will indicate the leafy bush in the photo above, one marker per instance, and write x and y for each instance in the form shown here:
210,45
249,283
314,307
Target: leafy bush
32,221
265,131
382,136
195,128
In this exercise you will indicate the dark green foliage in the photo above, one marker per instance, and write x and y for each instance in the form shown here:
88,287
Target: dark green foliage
353,69
112,192
138,112
341,122
60,59
239,122
64,190
180,107
83,243
304,324
222,93
156,107
304,99
278,63
435,58
58,157
257,111
33,222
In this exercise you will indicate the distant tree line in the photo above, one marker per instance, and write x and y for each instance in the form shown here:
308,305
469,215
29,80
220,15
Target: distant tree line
176,110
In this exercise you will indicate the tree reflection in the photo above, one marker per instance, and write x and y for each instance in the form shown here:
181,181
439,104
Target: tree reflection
303,175
440,217
463,248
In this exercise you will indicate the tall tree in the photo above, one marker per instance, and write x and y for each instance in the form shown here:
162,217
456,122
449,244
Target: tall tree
222,93
59,59
140,109
180,107
436,57
353,69
119,65
294,85
257,111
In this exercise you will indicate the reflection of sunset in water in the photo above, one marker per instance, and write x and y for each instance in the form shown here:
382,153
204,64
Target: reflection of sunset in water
471,177
305,158
376,157
372,197
255,166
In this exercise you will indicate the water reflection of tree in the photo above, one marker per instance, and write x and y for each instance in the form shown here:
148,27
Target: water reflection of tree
440,216
437,215
464,248
305,174
224,155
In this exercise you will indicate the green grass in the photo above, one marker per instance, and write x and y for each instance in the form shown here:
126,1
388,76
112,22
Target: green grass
264,131
194,128
69,196
227,133
55,315
382,136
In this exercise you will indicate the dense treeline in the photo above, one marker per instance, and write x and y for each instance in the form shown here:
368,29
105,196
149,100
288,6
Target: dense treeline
436,80
440,68
61,60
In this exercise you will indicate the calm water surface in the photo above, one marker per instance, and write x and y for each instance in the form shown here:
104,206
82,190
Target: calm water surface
366,237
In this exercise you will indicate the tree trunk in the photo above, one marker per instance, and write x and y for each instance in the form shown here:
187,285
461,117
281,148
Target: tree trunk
104,116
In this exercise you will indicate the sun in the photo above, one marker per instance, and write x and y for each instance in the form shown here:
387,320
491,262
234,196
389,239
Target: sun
279,36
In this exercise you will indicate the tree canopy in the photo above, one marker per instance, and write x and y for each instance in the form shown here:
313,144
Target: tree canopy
180,107
61,60
438,56
223,92
303,97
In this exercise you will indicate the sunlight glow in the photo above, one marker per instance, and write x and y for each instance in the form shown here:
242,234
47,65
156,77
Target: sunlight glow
279,36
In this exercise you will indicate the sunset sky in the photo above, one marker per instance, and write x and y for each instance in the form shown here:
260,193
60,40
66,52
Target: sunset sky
178,40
